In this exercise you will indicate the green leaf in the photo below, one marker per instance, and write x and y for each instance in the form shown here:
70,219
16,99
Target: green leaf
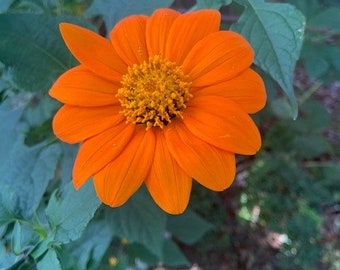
281,107
315,60
9,116
6,215
321,60
91,247
315,118
29,6
307,7
138,251
173,256
114,11
326,19
8,259
275,31
16,238
44,169
18,188
38,116
214,4
70,211
140,220
41,108
49,261
41,247
5,4
32,48
69,155
25,171
311,146
188,227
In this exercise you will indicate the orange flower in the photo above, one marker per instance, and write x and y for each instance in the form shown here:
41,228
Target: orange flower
164,101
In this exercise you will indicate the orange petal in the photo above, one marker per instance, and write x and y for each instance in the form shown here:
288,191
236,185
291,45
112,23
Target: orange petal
157,30
74,124
218,57
247,90
187,30
128,39
116,182
222,123
99,150
212,167
167,183
81,87
94,51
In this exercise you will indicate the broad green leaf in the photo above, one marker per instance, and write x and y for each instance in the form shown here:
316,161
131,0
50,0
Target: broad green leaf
20,192
140,252
44,170
315,118
5,4
16,238
173,256
29,6
312,146
49,261
69,211
214,4
41,247
69,155
307,7
8,259
275,31
91,247
6,215
321,60
188,227
114,11
315,59
9,115
25,171
141,221
326,19
9,127
33,50
25,176
281,107
41,108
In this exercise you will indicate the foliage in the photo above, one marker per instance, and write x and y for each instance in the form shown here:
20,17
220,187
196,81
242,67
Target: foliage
46,224
276,51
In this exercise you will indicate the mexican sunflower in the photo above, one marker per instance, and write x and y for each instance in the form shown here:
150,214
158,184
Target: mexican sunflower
166,99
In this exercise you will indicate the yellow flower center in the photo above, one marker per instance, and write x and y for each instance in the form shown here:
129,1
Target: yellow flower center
154,92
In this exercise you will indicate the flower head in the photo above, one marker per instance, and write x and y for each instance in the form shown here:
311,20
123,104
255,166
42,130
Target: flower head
166,99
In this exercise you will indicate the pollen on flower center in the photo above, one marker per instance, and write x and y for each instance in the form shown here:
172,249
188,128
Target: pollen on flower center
154,92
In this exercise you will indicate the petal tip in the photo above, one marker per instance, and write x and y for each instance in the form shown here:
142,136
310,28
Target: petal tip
64,26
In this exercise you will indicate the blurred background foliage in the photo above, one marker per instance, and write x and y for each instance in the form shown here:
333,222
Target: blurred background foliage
282,212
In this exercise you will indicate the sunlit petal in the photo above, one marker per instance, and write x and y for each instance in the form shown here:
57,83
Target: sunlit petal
247,90
128,39
118,180
157,30
187,30
222,123
214,168
94,51
81,87
97,151
218,57
74,124
167,182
